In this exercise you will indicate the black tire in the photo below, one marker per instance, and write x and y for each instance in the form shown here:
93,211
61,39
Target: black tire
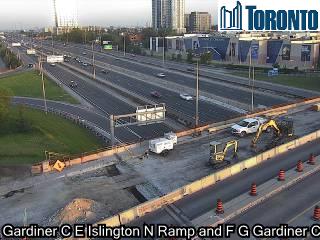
243,134
165,153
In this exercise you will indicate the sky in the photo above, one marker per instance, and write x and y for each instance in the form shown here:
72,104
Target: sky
26,14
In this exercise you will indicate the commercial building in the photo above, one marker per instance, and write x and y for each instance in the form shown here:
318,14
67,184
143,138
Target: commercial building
168,14
265,50
199,22
65,15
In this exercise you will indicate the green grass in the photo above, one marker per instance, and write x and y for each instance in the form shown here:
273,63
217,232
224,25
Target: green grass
309,81
46,133
29,84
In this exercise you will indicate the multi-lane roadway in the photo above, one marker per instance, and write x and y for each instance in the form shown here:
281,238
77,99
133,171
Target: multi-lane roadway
204,201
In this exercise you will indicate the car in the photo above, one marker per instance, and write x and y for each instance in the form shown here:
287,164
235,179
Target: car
247,126
52,64
84,53
30,65
161,75
85,64
133,55
117,59
104,71
73,84
186,97
190,69
155,94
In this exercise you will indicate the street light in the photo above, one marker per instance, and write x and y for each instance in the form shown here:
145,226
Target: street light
93,61
197,96
42,80
253,76
124,43
163,57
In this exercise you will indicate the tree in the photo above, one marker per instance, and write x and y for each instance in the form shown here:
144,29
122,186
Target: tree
205,58
23,123
5,99
179,57
190,56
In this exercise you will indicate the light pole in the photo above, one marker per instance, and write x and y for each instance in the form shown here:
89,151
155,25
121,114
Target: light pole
93,62
43,84
253,76
197,96
124,44
163,53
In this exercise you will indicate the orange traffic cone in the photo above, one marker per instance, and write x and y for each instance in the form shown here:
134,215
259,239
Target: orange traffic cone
253,191
219,209
281,176
316,214
312,159
299,166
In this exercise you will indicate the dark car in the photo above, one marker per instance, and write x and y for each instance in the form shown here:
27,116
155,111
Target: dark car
190,69
155,94
73,84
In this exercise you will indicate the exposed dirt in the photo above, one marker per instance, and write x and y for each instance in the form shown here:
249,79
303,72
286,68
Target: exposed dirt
79,211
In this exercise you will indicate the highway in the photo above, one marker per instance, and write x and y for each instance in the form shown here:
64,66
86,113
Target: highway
214,74
208,112
214,87
104,102
285,207
203,201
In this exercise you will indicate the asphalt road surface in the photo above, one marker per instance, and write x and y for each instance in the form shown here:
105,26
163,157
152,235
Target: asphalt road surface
203,201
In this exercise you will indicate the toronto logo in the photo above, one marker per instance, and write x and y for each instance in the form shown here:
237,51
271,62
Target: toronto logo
231,19
271,15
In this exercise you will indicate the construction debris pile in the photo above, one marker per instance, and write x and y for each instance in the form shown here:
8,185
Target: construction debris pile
79,211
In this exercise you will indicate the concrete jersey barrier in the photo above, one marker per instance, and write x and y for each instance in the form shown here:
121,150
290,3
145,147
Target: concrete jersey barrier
152,205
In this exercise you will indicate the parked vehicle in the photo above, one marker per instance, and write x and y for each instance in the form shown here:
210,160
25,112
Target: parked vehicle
247,126
162,146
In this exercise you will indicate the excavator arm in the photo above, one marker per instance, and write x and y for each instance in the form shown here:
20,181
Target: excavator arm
229,145
271,123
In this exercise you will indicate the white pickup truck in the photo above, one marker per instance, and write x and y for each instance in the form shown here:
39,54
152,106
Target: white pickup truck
163,145
247,126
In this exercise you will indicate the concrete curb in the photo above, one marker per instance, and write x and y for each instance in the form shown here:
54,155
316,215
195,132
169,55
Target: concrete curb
244,202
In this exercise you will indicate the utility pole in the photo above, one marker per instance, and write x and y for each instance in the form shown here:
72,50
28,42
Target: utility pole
124,44
252,90
52,43
112,130
43,85
197,96
163,54
93,61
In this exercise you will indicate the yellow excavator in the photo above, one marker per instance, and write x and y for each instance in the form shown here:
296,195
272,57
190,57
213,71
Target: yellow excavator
218,152
282,129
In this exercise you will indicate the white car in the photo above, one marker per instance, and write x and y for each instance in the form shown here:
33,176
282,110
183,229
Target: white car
52,64
247,126
186,97
161,75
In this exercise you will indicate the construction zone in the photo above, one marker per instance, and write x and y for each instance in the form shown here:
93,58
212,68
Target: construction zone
94,188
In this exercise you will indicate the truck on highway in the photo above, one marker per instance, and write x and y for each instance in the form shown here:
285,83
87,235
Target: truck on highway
31,51
247,126
17,44
162,146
